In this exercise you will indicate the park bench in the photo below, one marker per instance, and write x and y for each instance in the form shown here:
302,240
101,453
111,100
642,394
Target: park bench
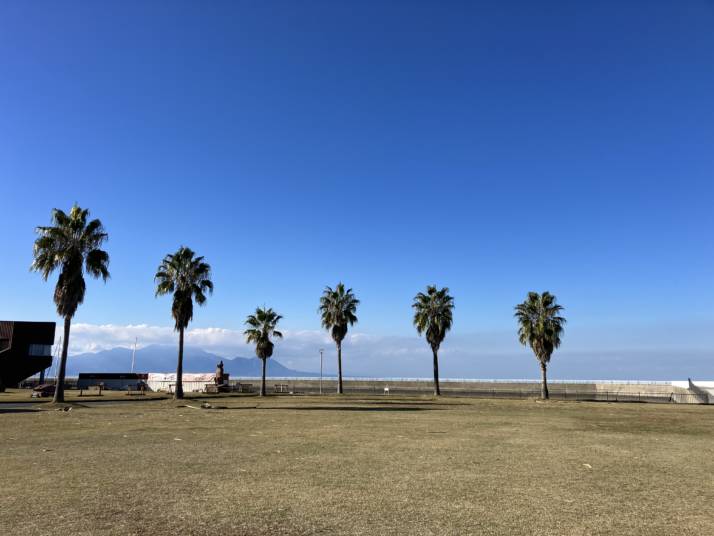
281,388
213,388
245,388
138,390
92,388
172,388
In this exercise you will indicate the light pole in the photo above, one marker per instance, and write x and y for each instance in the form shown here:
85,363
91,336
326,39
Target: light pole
133,355
321,350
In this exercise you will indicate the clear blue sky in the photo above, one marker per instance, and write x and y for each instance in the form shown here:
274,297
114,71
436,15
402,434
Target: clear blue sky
490,147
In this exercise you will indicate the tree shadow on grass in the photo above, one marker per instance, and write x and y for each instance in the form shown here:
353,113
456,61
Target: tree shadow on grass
417,403
110,401
345,408
19,410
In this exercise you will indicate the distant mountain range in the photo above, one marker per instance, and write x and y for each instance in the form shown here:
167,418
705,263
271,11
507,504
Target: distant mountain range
159,358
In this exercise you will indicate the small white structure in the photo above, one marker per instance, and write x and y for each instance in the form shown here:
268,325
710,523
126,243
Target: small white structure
701,391
192,383
692,385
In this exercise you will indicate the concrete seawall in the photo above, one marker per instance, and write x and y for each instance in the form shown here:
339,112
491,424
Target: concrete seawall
579,390
684,392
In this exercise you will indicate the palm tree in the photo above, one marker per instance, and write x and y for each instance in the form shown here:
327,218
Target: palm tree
433,315
540,326
337,310
72,246
188,278
262,327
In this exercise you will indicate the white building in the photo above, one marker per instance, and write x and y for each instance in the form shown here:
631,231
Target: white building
192,383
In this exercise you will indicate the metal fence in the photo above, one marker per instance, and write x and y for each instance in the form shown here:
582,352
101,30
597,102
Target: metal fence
419,387
528,393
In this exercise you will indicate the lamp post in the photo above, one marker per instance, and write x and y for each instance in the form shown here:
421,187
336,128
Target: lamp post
133,354
321,350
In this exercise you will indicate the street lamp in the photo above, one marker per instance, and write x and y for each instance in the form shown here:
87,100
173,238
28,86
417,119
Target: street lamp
321,350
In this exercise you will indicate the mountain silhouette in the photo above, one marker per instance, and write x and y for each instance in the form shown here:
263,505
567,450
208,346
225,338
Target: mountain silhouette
160,358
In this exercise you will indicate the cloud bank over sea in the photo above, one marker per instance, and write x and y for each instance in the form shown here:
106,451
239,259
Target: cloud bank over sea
648,353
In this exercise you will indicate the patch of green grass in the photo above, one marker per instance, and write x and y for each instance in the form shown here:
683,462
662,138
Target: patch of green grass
359,465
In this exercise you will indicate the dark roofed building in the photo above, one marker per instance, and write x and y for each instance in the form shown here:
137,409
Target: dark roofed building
25,349
112,380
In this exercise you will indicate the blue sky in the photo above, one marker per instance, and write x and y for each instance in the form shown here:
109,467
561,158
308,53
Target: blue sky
493,148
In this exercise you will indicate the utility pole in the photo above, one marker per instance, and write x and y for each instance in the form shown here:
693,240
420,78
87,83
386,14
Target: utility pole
321,350
133,355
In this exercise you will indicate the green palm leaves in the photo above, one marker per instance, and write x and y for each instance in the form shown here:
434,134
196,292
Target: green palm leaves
433,317
188,278
338,311
71,245
433,314
261,327
540,326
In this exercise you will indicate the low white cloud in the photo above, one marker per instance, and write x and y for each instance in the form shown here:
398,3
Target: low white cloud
299,349
227,342
93,338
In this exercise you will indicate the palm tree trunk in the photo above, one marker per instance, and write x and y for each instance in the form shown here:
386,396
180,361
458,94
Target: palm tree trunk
544,382
178,391
437,391
339,368
59,384
262,383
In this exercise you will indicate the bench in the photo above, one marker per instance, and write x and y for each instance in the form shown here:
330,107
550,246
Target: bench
98,387
281,388
216,388
138,390
245,388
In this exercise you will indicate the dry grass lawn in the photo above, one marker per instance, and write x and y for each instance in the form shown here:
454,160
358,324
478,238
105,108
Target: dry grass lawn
355,465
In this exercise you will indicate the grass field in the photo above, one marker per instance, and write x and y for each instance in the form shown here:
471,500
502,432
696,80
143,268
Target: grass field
387,465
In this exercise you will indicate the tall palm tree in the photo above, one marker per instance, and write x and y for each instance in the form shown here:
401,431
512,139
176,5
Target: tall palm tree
338,310
540,326
433,315
188,278
262,326
72,246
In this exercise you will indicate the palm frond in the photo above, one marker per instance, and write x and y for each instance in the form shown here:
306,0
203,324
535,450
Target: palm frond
433,314
188,278
338,310
261,328
540,324
72,246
